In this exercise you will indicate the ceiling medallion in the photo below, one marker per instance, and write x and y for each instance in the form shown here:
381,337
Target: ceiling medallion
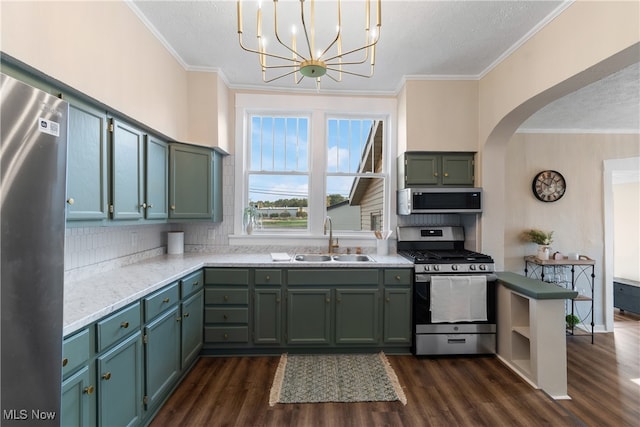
310,61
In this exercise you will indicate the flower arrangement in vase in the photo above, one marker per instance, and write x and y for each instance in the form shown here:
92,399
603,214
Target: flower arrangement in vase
542,238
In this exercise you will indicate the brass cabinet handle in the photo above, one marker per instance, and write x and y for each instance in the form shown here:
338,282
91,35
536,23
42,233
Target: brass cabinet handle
173,207
226,298
70,201
166,300
143,205
267,278
224,316
328,300
435,174
185,315
225,336
398,277
65,361
178,319
106,376
387,299
446,174
124,325
196,283
88,390
149,205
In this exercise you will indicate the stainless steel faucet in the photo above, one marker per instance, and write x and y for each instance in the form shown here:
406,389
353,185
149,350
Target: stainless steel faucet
331,244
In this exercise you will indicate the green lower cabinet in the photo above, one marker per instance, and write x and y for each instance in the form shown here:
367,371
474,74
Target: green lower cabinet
78,399
162,356
120,384
397,316
309,316
357,319
267,319
192,326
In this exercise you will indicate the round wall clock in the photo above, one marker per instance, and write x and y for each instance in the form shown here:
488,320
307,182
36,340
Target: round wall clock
549,186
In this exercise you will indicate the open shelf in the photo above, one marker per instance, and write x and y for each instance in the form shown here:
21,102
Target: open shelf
525,331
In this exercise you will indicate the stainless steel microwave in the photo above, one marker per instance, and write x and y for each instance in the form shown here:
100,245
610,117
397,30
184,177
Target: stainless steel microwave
439,200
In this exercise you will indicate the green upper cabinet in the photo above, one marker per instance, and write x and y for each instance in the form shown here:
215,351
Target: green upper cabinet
156,204
87,173
127,191
195,182
417,168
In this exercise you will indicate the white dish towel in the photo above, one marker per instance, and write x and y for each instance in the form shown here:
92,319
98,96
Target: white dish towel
458,299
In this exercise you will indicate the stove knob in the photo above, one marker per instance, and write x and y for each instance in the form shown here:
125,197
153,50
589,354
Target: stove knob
472,267
427,268
436,268
454,267
483,267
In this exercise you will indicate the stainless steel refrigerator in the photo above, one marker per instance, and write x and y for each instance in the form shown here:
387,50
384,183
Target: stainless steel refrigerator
33,157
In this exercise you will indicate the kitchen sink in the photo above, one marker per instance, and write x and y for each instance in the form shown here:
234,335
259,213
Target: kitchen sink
329,258
312,258
352,258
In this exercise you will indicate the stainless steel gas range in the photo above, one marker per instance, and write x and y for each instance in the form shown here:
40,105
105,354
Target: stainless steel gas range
454,298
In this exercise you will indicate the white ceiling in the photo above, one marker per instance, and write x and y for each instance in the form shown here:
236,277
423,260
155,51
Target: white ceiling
419,40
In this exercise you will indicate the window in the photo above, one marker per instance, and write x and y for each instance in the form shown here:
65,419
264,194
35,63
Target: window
355,178
300,158
278,175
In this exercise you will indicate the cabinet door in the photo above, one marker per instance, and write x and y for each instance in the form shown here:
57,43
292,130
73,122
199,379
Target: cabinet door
77,398
217,187
397,316
267,316
156,179
192,327
127,171
309,316
422,169
120,384
87,174
457,169
162,356
190,182
357,320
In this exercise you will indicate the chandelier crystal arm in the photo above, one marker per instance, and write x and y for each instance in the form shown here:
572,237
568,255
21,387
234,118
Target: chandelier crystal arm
365,48
277,34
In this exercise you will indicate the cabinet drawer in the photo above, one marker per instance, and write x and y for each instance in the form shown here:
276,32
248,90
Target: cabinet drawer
398,276
75,351
324,277
118,326
226,315
226,296
158,302
226,276
223,334
268,277
626,290
191,283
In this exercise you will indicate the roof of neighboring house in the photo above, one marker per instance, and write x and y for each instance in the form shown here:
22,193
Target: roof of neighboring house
371,160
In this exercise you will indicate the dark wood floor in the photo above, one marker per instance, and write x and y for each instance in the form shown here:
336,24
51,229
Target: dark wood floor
456,391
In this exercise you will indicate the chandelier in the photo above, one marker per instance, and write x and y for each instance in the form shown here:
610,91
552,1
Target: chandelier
307,59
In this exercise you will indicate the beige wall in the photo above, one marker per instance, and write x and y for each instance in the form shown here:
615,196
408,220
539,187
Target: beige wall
441,115
577,219
588,41
103,50
626,225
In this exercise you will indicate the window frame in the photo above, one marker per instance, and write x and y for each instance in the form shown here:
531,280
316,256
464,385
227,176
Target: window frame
320,108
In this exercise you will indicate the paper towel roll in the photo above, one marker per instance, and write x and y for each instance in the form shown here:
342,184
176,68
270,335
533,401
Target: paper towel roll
175,242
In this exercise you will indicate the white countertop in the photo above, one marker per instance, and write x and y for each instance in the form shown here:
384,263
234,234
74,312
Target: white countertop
91,298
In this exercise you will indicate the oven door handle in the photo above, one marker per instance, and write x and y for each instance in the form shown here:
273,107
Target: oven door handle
426,278
456,340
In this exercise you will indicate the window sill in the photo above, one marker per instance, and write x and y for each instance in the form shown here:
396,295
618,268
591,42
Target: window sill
275,239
